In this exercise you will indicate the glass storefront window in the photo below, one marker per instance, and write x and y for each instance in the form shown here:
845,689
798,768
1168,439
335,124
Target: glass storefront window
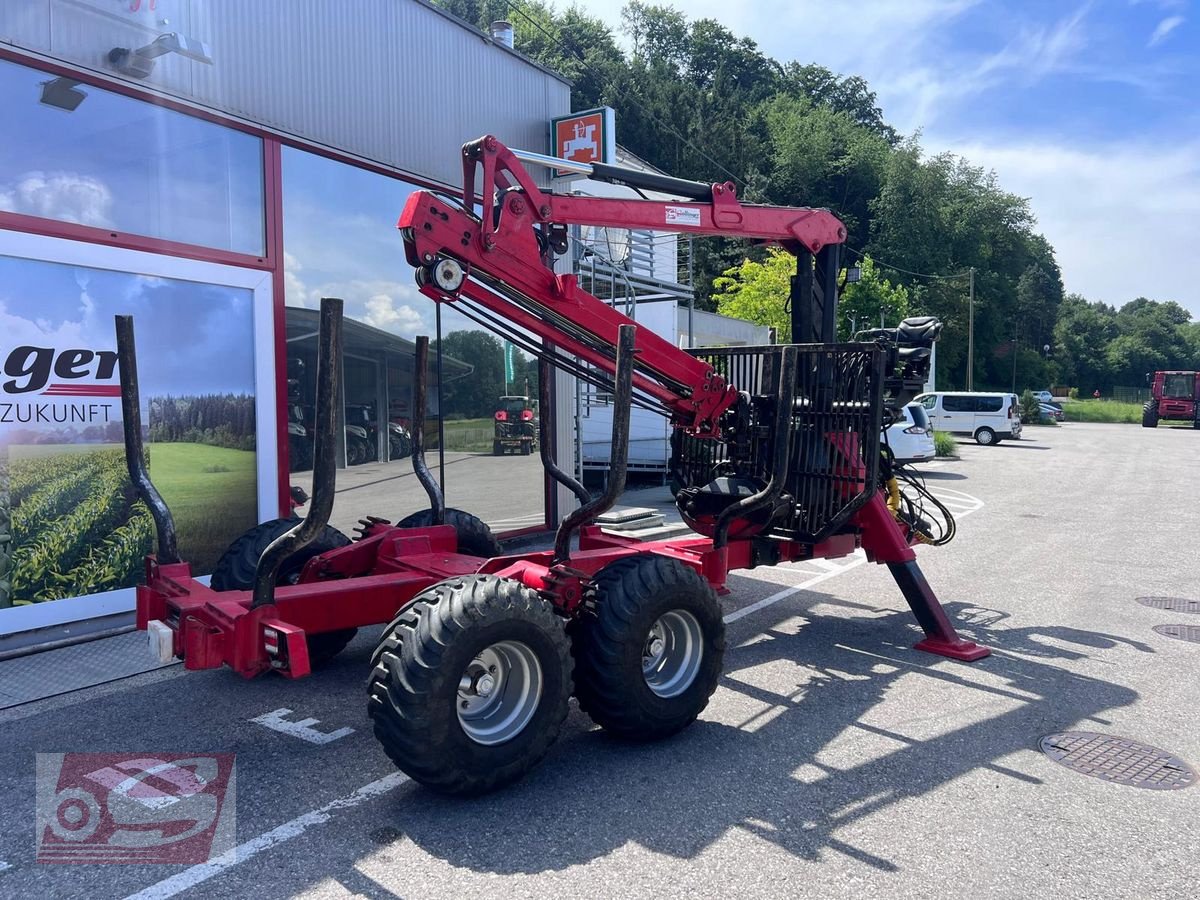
80,154
340,240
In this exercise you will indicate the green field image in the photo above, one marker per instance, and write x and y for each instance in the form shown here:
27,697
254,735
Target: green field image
78,529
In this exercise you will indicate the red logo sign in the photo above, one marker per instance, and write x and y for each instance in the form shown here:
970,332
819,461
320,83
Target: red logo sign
580,138
134,808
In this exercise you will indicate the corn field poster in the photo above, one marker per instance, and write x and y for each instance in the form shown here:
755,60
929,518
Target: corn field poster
70,523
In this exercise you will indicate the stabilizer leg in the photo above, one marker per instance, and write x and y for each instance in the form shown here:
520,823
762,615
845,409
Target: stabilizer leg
884,541
940,636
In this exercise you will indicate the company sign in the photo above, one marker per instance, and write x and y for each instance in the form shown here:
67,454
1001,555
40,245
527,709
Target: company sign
587,137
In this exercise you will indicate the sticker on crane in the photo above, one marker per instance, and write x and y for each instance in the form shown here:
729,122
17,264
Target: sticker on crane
683,215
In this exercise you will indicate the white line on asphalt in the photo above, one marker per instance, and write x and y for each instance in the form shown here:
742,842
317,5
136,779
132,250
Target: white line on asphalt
303,729
857,560
198,874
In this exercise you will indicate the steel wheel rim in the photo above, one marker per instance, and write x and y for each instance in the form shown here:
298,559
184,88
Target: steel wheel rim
672,653
499,692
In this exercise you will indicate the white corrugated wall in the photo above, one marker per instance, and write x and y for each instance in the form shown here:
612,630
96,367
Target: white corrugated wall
395,81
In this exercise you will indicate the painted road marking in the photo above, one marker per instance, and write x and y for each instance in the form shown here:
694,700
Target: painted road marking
303,729
968,503
198,874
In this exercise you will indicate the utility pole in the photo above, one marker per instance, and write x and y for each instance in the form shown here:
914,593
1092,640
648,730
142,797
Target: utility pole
971,334
1014,381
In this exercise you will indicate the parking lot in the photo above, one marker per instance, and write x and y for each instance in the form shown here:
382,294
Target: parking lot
833,760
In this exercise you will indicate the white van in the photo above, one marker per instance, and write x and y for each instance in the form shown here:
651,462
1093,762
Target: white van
987,417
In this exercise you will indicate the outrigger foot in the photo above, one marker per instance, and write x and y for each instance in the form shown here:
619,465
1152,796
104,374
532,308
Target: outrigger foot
940,636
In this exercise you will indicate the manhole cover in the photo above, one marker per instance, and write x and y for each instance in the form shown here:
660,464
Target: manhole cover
1118,760
1175,604
1182,632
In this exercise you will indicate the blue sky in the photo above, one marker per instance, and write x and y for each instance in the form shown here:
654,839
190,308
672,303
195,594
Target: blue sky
1091,109
210,328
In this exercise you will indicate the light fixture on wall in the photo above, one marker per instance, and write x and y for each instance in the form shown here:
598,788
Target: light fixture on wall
139,63
62,93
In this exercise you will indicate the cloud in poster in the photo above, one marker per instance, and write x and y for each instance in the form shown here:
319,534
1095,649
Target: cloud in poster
191,337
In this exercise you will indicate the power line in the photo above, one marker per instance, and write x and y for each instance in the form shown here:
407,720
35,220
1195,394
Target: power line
859,253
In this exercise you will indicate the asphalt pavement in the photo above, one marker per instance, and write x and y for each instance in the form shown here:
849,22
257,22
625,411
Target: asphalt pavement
834,759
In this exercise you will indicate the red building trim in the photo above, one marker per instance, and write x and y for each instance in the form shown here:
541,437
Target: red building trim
90,235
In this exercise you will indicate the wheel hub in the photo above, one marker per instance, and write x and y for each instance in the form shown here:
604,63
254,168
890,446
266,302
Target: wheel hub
673,651
499,692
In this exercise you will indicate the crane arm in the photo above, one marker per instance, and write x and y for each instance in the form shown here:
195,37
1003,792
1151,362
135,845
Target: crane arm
498,262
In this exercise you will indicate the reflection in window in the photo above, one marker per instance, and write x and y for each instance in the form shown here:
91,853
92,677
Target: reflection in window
340,240
117,163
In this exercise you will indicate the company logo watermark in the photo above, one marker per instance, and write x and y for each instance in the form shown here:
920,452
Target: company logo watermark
134,807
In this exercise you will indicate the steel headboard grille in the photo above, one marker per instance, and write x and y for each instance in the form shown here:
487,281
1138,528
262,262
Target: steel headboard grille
835,427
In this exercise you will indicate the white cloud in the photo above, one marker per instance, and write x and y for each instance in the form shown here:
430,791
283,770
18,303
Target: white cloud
383,312
1121,216
60,195
1165,27
392,306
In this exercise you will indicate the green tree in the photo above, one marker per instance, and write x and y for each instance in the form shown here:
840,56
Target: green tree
473,396
757,291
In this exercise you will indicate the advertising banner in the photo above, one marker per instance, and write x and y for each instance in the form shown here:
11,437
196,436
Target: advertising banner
70,525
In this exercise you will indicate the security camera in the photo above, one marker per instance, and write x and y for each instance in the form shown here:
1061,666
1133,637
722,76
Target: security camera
139,63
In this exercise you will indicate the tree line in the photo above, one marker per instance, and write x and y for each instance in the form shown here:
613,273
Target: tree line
477,395
219,420
700,102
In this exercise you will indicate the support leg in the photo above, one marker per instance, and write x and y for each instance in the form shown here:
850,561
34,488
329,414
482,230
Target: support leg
940,636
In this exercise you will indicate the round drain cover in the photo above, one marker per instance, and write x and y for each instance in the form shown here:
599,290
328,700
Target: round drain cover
1175,604
1182,632
1118,760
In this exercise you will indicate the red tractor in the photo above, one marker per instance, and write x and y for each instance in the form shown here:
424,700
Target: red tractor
776,450
515,428
1174,397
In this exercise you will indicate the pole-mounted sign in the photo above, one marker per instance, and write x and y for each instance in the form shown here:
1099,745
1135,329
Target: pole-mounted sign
587,137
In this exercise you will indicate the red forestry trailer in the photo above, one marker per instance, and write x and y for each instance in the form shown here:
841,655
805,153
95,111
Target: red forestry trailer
776,450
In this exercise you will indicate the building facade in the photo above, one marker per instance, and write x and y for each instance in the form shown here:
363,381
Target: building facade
214,168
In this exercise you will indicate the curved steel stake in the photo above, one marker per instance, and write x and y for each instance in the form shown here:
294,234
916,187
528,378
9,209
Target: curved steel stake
329,367
135,458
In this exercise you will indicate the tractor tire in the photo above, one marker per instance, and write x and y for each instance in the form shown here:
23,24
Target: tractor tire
985,437
526,448
474,537
470,684
1150,415
648,649
235,572
399,446
497,450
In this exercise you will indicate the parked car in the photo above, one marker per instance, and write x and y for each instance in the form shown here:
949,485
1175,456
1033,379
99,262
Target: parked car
987,417
1051,411
911,437
1043,396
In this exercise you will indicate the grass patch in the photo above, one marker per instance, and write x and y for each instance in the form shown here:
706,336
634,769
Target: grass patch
213,494
467,435
1103,411
943,443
